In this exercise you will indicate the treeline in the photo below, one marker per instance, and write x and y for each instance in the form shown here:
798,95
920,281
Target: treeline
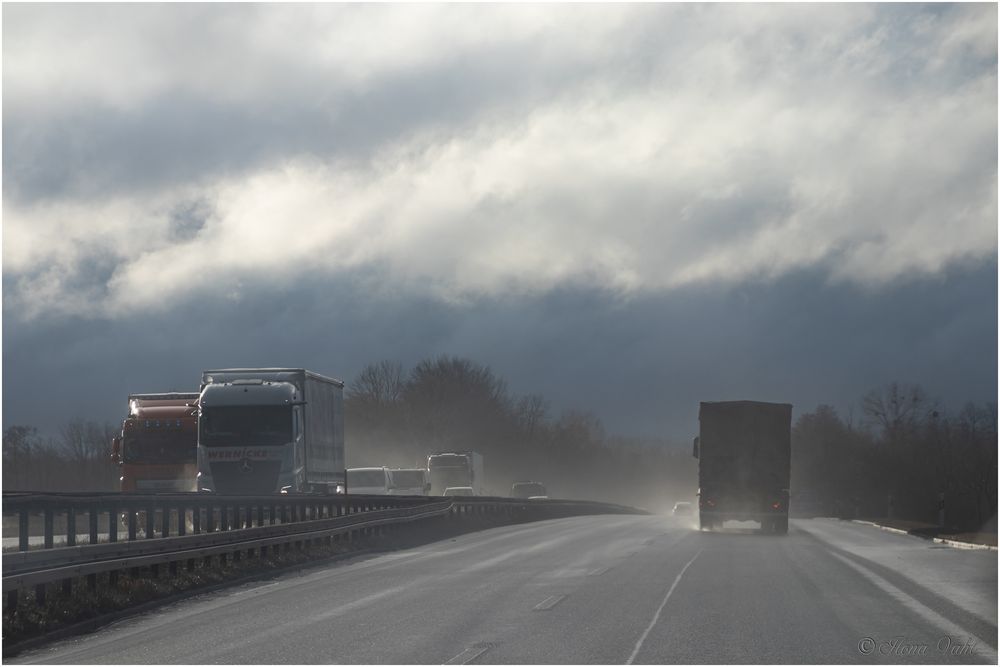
77,459
900,455
397,417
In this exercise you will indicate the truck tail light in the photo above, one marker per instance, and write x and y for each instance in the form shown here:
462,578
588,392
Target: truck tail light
776,505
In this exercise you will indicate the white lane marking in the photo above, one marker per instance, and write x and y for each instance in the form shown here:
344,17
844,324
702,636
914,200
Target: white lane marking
598,572
468,655
656,617
549,602
920,608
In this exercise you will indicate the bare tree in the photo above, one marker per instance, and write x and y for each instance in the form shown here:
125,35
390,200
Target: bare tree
896,409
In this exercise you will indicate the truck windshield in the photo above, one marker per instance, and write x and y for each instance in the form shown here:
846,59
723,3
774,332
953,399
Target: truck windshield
448,461
365,478
246,425
409,479
164,447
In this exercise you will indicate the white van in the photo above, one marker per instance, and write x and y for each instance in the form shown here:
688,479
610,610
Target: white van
409,482
369,481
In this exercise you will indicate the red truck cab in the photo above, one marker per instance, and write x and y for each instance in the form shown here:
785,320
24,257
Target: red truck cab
157,448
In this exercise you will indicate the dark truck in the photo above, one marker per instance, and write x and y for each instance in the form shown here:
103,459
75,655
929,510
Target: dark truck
744,453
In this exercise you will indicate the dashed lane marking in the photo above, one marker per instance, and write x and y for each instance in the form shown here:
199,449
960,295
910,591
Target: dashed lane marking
469,654
549,602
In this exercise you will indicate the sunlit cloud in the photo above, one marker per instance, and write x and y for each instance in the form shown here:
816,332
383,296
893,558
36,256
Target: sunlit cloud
465,152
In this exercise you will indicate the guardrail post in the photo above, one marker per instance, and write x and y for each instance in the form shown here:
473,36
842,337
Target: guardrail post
260,516
48,527
196,518
165,523
273,510
224,517
22,530
71,527
113,523
209,519
12,601
40,595
93,515
133,522
150,521
181,520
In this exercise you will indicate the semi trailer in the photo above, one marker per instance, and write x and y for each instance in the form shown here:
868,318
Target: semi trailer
744,462
270,430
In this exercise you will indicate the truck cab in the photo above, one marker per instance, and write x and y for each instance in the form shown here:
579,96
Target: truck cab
157,446
369,481
409,482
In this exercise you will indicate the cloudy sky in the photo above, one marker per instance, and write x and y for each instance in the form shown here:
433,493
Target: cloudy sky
625,208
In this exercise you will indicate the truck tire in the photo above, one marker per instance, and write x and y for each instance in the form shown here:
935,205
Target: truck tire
781,525
704,523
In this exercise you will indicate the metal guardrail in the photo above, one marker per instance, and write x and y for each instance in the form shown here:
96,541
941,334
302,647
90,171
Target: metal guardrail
224,526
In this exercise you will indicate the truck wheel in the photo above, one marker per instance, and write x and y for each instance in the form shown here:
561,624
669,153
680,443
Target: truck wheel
781,526
704,524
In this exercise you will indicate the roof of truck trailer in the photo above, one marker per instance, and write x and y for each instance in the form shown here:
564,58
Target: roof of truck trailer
275,370
784,405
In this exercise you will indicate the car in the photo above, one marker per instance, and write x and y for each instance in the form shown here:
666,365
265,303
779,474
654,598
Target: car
683,509
459,491
528,489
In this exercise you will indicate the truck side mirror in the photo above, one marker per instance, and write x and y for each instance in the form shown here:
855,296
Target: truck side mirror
694,447
116,450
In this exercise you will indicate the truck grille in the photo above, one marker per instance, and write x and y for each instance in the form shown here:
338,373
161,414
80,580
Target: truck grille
234,477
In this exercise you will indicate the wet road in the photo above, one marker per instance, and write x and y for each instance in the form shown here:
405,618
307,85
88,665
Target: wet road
612,589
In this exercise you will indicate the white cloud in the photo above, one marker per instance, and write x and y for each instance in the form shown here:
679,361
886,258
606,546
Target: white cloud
692,144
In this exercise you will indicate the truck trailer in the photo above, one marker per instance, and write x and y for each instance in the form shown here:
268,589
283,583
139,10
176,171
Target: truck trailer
158,445
450,469
270,430
744,463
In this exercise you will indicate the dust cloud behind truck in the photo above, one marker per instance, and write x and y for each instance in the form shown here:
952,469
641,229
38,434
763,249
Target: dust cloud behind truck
270,430
744,463
158,444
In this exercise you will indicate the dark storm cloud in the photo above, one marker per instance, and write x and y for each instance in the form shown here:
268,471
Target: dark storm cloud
642,366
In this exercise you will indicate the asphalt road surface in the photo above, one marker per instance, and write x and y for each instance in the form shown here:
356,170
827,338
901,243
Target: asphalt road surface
608,589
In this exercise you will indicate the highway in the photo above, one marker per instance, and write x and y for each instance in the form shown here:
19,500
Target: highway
603,589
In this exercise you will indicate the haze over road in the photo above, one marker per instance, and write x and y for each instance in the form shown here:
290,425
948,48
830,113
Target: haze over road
605,589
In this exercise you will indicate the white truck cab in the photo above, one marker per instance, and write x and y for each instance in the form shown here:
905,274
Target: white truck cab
369,481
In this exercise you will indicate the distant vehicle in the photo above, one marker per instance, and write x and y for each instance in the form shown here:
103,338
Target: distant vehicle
744,453
369,481
683,509
452,469
528,489
270,430
157,448
409,482
460,491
